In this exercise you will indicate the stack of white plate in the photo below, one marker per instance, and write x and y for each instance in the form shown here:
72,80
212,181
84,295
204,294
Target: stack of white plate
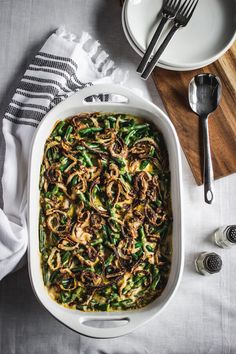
208,35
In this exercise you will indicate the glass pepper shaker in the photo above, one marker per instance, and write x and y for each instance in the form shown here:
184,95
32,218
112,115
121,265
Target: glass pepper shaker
208,263
225,236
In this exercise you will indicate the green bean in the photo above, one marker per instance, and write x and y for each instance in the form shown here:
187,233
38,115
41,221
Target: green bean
59,128
65,257
54,276
63,220
135,256
42,239
87,159
137,277
64,163
97,188
155,281
158,202
55,190
129,136
134,129
126,289
139,253
49,154
81,196
74,181
139,282
102,307
143,164
149,248
142,233
104,163
96,242
68,132
140,126
154,270
113,214
128,177
122,118
93,146
41,217
105,231
111,118
152,151
90,130
114,287
65,296
66,282
54,238
107,124
109,260
138,244
81,148
121,162
147,266
124,303
55,155
98,268
46,277
48,195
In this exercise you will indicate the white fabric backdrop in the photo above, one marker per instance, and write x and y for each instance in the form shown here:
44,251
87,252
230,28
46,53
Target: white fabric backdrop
202,316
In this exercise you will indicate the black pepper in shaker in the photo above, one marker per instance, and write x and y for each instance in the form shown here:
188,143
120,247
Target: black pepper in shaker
208,263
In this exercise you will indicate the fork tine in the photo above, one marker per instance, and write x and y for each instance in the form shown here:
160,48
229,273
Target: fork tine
176,3
191,11
188,7
169,2
184,6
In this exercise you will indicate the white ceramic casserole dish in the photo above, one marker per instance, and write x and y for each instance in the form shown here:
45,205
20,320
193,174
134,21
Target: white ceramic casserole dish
105,324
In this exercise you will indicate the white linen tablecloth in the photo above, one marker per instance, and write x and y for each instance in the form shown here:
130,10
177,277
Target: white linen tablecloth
202,316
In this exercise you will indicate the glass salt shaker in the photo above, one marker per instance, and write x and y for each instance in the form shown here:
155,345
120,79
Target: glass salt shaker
208,263
225,236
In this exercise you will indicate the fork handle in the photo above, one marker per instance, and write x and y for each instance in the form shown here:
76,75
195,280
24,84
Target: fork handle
159,52
152,45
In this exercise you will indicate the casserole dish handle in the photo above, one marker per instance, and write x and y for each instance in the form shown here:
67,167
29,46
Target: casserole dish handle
103,326
108,94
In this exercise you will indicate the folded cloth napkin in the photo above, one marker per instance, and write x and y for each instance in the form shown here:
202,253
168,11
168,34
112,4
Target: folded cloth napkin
65,64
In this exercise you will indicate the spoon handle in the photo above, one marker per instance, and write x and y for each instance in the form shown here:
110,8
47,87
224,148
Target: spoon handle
207,169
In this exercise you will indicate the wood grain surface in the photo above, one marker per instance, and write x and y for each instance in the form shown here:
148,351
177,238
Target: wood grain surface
173,89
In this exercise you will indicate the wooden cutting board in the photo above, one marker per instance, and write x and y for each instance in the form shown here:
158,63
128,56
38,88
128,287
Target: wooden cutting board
173,89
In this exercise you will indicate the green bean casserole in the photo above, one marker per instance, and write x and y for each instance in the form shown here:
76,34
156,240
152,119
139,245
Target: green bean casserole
105,212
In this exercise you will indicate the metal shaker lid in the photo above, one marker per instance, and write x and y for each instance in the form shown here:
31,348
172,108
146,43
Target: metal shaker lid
231,233
213,263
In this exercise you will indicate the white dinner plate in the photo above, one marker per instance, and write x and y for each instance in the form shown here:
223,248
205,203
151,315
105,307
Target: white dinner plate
210,32
140,52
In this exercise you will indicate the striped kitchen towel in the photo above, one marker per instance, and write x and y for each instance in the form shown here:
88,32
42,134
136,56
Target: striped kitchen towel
64,65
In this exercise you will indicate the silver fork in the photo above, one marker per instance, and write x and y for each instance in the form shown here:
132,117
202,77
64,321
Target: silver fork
182,18
169,10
